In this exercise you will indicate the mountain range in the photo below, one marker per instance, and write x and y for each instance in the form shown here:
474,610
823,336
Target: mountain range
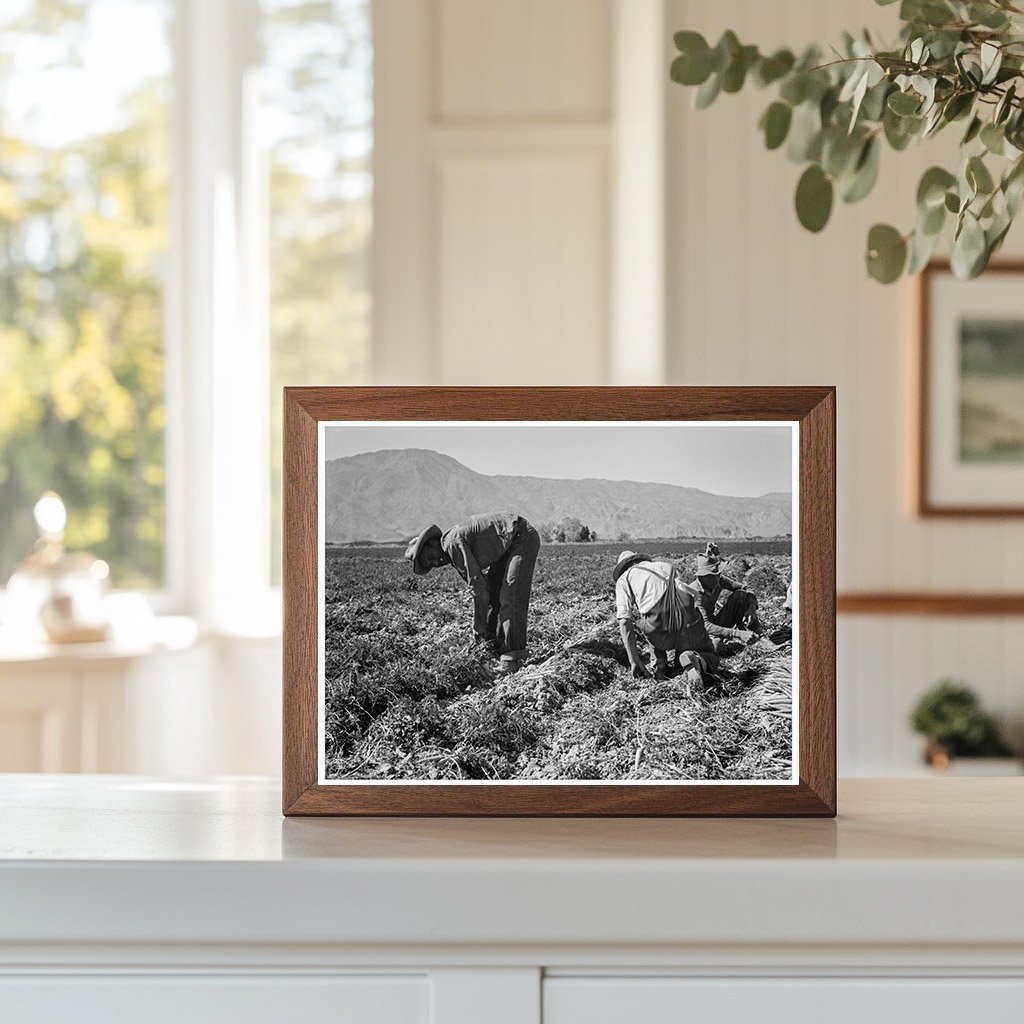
392,495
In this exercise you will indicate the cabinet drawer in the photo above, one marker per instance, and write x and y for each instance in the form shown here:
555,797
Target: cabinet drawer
783,1001
202,999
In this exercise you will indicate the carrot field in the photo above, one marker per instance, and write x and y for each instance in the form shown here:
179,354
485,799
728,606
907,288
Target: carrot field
408,695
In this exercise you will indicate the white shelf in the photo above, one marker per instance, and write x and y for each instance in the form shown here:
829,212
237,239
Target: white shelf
127,896
121,859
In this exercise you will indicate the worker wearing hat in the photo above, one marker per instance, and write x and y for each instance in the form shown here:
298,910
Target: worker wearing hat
651,591
736,618
495,554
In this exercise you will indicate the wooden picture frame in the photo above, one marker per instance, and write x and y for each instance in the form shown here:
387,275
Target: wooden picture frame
944,483
811,412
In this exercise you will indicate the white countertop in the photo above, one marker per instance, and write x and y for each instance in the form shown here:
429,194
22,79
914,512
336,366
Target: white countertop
123,859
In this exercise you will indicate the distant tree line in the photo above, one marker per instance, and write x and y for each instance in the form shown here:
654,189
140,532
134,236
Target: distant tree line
568,530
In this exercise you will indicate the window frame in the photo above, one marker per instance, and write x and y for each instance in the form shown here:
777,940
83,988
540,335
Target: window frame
217,351
216,298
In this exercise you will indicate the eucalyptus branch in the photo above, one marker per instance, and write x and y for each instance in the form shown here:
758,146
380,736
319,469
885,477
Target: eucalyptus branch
954,58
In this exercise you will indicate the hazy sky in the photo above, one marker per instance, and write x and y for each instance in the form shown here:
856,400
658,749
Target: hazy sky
734,460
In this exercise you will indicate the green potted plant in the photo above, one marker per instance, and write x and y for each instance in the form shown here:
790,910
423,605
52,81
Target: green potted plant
956,62
950,718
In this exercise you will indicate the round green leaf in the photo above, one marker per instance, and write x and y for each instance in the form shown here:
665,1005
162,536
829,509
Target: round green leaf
805,133
900,130
874,104
725,49
865,173
903,103
693,65
968,256
775,123
814,198
1005,105
931,221
840,152
958,106
932,189
794,89
922,248
735,74
770,69
887,253
987,15
952,202
973,130
993,138
689,42
978,176
1013,187
707,93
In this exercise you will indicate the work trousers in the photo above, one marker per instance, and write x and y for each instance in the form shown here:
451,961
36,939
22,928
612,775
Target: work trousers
509,582
738,607
667,630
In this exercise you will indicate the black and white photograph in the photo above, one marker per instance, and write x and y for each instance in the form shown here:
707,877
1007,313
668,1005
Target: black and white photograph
971,393
557,602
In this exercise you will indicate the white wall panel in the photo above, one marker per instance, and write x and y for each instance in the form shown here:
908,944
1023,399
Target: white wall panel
522,281
528,58
522,204
754,299
493,203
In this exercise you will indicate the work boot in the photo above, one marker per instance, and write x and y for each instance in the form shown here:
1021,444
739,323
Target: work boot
509,663
691,678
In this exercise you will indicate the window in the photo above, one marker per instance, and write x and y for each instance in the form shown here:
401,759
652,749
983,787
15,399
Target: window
83,236
317,117
167,264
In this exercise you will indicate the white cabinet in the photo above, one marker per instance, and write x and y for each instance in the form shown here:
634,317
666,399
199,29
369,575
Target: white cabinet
128,899
216,1000
829,1000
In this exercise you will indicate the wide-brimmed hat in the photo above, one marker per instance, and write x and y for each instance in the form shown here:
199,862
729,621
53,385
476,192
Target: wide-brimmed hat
708,566
416,545
625,561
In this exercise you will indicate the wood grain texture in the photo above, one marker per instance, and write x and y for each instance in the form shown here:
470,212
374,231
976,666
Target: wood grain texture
817,605
923,504
812,407
299,597
926,603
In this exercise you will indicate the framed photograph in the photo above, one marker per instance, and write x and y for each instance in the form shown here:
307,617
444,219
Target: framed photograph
559,601
970,444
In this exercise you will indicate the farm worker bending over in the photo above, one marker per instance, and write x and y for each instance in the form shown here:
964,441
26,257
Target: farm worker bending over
495,554
667,614
736,619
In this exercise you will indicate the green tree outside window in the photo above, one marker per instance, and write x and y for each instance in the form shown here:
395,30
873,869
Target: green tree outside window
83,235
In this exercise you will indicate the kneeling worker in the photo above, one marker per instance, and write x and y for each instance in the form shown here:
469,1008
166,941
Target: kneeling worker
737,619
667,615
495,554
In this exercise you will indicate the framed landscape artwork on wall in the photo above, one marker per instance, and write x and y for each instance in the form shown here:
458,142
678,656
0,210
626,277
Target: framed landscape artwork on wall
573,601
970,444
